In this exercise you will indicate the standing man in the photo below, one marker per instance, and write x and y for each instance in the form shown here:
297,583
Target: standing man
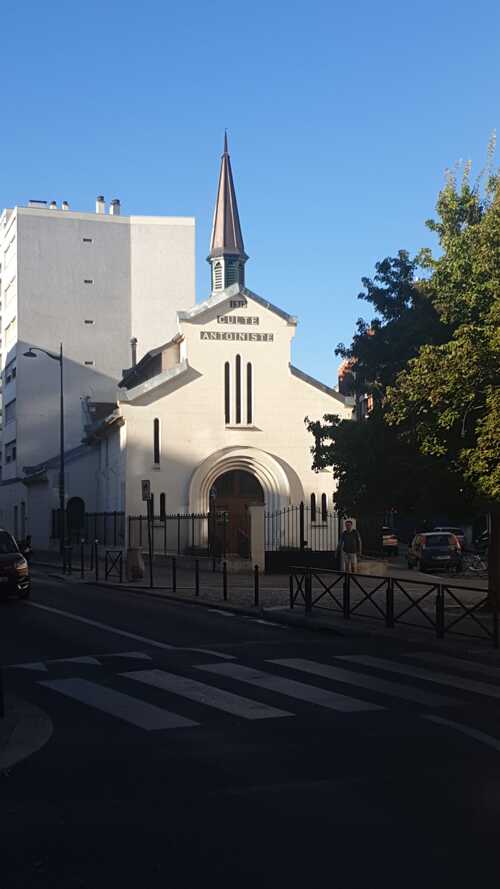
349,548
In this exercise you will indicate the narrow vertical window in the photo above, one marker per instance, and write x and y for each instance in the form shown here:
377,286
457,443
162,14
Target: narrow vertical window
324,508
156,442
249,394
227,393
163,502
313,507
238,389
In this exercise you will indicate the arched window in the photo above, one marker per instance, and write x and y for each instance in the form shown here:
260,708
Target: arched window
163,503
238,388
156,441
249,394
313,507
227,393
324,508
218,276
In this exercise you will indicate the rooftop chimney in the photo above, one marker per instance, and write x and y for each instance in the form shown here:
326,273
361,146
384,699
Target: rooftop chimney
100,204
133,345
52,205
64,205
114,207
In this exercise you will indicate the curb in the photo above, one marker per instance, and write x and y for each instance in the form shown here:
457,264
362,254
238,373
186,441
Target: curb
343,628
24,730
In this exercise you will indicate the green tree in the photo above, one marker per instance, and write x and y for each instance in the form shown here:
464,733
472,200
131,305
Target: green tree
449,395
377,467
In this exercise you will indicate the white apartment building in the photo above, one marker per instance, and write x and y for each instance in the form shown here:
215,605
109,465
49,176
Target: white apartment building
93,282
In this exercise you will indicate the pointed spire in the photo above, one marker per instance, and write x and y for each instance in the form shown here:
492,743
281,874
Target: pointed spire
226,247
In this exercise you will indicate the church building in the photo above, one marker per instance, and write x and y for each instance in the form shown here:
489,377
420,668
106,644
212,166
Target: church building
214,417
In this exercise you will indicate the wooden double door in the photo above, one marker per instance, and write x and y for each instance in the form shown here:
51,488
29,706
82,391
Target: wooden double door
230,498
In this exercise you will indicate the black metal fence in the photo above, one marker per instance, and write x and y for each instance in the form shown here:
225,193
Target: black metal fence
301,528
106,527
443,607
181,533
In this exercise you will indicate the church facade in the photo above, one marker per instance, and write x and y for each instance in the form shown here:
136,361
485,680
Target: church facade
214,417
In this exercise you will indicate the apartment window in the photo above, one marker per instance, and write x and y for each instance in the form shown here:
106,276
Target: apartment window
227,392
89,321
313,507
238,388
90,363
88,281
88,240
10,371
324,508
156,441
249,393
10,411
10,451
10,333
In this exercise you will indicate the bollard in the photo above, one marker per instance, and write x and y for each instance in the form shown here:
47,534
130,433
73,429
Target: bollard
96,561
308,591
389,603
440,612
213,565
82,559
291,591
347,595
2,696
174,575
196,577
256,585
224,580
121,567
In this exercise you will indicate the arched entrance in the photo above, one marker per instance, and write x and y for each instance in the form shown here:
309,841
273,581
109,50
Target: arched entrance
231,495
75,518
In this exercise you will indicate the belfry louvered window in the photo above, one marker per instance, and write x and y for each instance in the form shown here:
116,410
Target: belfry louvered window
218,276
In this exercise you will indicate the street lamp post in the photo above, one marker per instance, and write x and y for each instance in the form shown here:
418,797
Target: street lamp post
31,353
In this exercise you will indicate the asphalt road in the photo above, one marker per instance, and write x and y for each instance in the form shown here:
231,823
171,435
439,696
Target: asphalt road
195,748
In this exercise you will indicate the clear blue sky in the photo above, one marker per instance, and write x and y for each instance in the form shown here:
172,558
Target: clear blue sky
342,118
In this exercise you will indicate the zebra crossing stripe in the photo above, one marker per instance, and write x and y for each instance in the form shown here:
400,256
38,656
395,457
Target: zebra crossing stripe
374,683
289,687
206,694
472,685
447,661
118,704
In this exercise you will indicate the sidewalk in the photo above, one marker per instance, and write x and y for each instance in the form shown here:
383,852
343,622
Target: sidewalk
366,618
24,730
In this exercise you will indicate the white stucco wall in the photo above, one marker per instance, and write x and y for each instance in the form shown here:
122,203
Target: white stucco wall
192,415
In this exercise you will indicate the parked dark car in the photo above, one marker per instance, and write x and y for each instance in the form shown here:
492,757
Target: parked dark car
435,549
458,532
14,570
390,542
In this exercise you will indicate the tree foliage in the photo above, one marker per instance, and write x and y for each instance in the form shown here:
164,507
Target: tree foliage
431,360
